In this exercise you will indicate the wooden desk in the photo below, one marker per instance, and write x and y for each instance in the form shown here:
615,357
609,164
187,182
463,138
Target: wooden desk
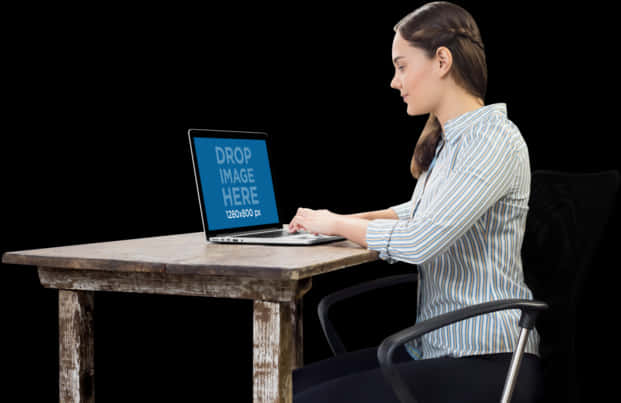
274,277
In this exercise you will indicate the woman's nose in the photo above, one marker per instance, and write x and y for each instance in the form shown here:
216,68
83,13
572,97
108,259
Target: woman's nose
394,83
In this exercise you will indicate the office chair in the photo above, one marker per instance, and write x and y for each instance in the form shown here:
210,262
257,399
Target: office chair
567,216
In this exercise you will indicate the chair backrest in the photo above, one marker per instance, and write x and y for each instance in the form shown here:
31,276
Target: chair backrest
566,221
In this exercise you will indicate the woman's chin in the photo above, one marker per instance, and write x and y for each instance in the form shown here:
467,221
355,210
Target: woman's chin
412,111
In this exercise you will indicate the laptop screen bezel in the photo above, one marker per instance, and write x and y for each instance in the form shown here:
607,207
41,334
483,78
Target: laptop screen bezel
250,135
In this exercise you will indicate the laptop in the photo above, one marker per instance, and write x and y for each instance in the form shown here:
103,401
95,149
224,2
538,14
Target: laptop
236,190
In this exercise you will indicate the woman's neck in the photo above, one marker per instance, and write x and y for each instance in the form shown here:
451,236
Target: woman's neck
457,106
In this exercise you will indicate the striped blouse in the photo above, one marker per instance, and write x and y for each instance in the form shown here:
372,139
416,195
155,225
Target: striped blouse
466,234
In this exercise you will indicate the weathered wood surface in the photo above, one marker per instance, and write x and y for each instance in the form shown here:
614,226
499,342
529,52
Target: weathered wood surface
175,284
191,254
277,350
76,347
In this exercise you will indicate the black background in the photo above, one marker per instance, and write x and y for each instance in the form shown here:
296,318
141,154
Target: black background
97,103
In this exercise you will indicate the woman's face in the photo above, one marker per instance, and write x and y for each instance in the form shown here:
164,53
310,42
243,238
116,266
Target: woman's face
414,77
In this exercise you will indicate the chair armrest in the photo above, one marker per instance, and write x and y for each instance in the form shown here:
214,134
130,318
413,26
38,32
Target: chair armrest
530,309
326,303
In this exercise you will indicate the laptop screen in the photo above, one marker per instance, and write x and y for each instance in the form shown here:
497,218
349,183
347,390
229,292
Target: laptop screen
234,180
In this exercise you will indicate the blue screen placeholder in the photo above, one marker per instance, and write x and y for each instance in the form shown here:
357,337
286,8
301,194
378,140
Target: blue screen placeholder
237,183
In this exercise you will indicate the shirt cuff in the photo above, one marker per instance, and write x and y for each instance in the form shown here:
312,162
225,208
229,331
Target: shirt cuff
403,210
379,233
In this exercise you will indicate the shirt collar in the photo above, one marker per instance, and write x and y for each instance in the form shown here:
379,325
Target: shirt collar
454,127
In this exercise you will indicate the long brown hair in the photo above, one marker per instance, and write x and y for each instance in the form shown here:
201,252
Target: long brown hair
445,24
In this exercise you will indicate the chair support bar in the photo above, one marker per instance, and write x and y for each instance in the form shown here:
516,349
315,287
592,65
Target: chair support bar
514,368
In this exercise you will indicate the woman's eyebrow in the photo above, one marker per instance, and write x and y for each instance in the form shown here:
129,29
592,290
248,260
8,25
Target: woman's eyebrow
397,58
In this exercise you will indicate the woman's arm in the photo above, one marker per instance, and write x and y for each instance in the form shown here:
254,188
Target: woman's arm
354,226
375,215
350,226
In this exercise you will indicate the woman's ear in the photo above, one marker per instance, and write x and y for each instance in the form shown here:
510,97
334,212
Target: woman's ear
444,60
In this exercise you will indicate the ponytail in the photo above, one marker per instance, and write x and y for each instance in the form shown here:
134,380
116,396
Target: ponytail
426,146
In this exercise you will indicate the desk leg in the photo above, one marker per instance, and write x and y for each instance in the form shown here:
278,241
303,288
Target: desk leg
77,355
277,349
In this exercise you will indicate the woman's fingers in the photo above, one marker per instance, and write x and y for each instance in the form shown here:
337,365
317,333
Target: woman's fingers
294,225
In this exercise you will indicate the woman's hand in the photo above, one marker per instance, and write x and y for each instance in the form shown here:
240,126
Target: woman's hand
315,221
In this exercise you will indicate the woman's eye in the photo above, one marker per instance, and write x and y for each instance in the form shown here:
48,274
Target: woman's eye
401,68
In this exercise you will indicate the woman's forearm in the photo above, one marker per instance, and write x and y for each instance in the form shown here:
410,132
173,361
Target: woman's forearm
374,215
354,226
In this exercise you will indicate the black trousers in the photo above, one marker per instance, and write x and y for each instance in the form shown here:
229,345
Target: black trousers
356,377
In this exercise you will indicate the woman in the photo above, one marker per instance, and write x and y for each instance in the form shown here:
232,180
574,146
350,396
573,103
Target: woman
463,227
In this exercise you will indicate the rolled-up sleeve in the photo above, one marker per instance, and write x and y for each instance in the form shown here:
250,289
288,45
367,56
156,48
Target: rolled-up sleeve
379,235
483,173
403,210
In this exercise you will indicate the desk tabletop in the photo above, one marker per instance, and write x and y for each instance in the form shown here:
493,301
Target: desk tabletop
191,254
